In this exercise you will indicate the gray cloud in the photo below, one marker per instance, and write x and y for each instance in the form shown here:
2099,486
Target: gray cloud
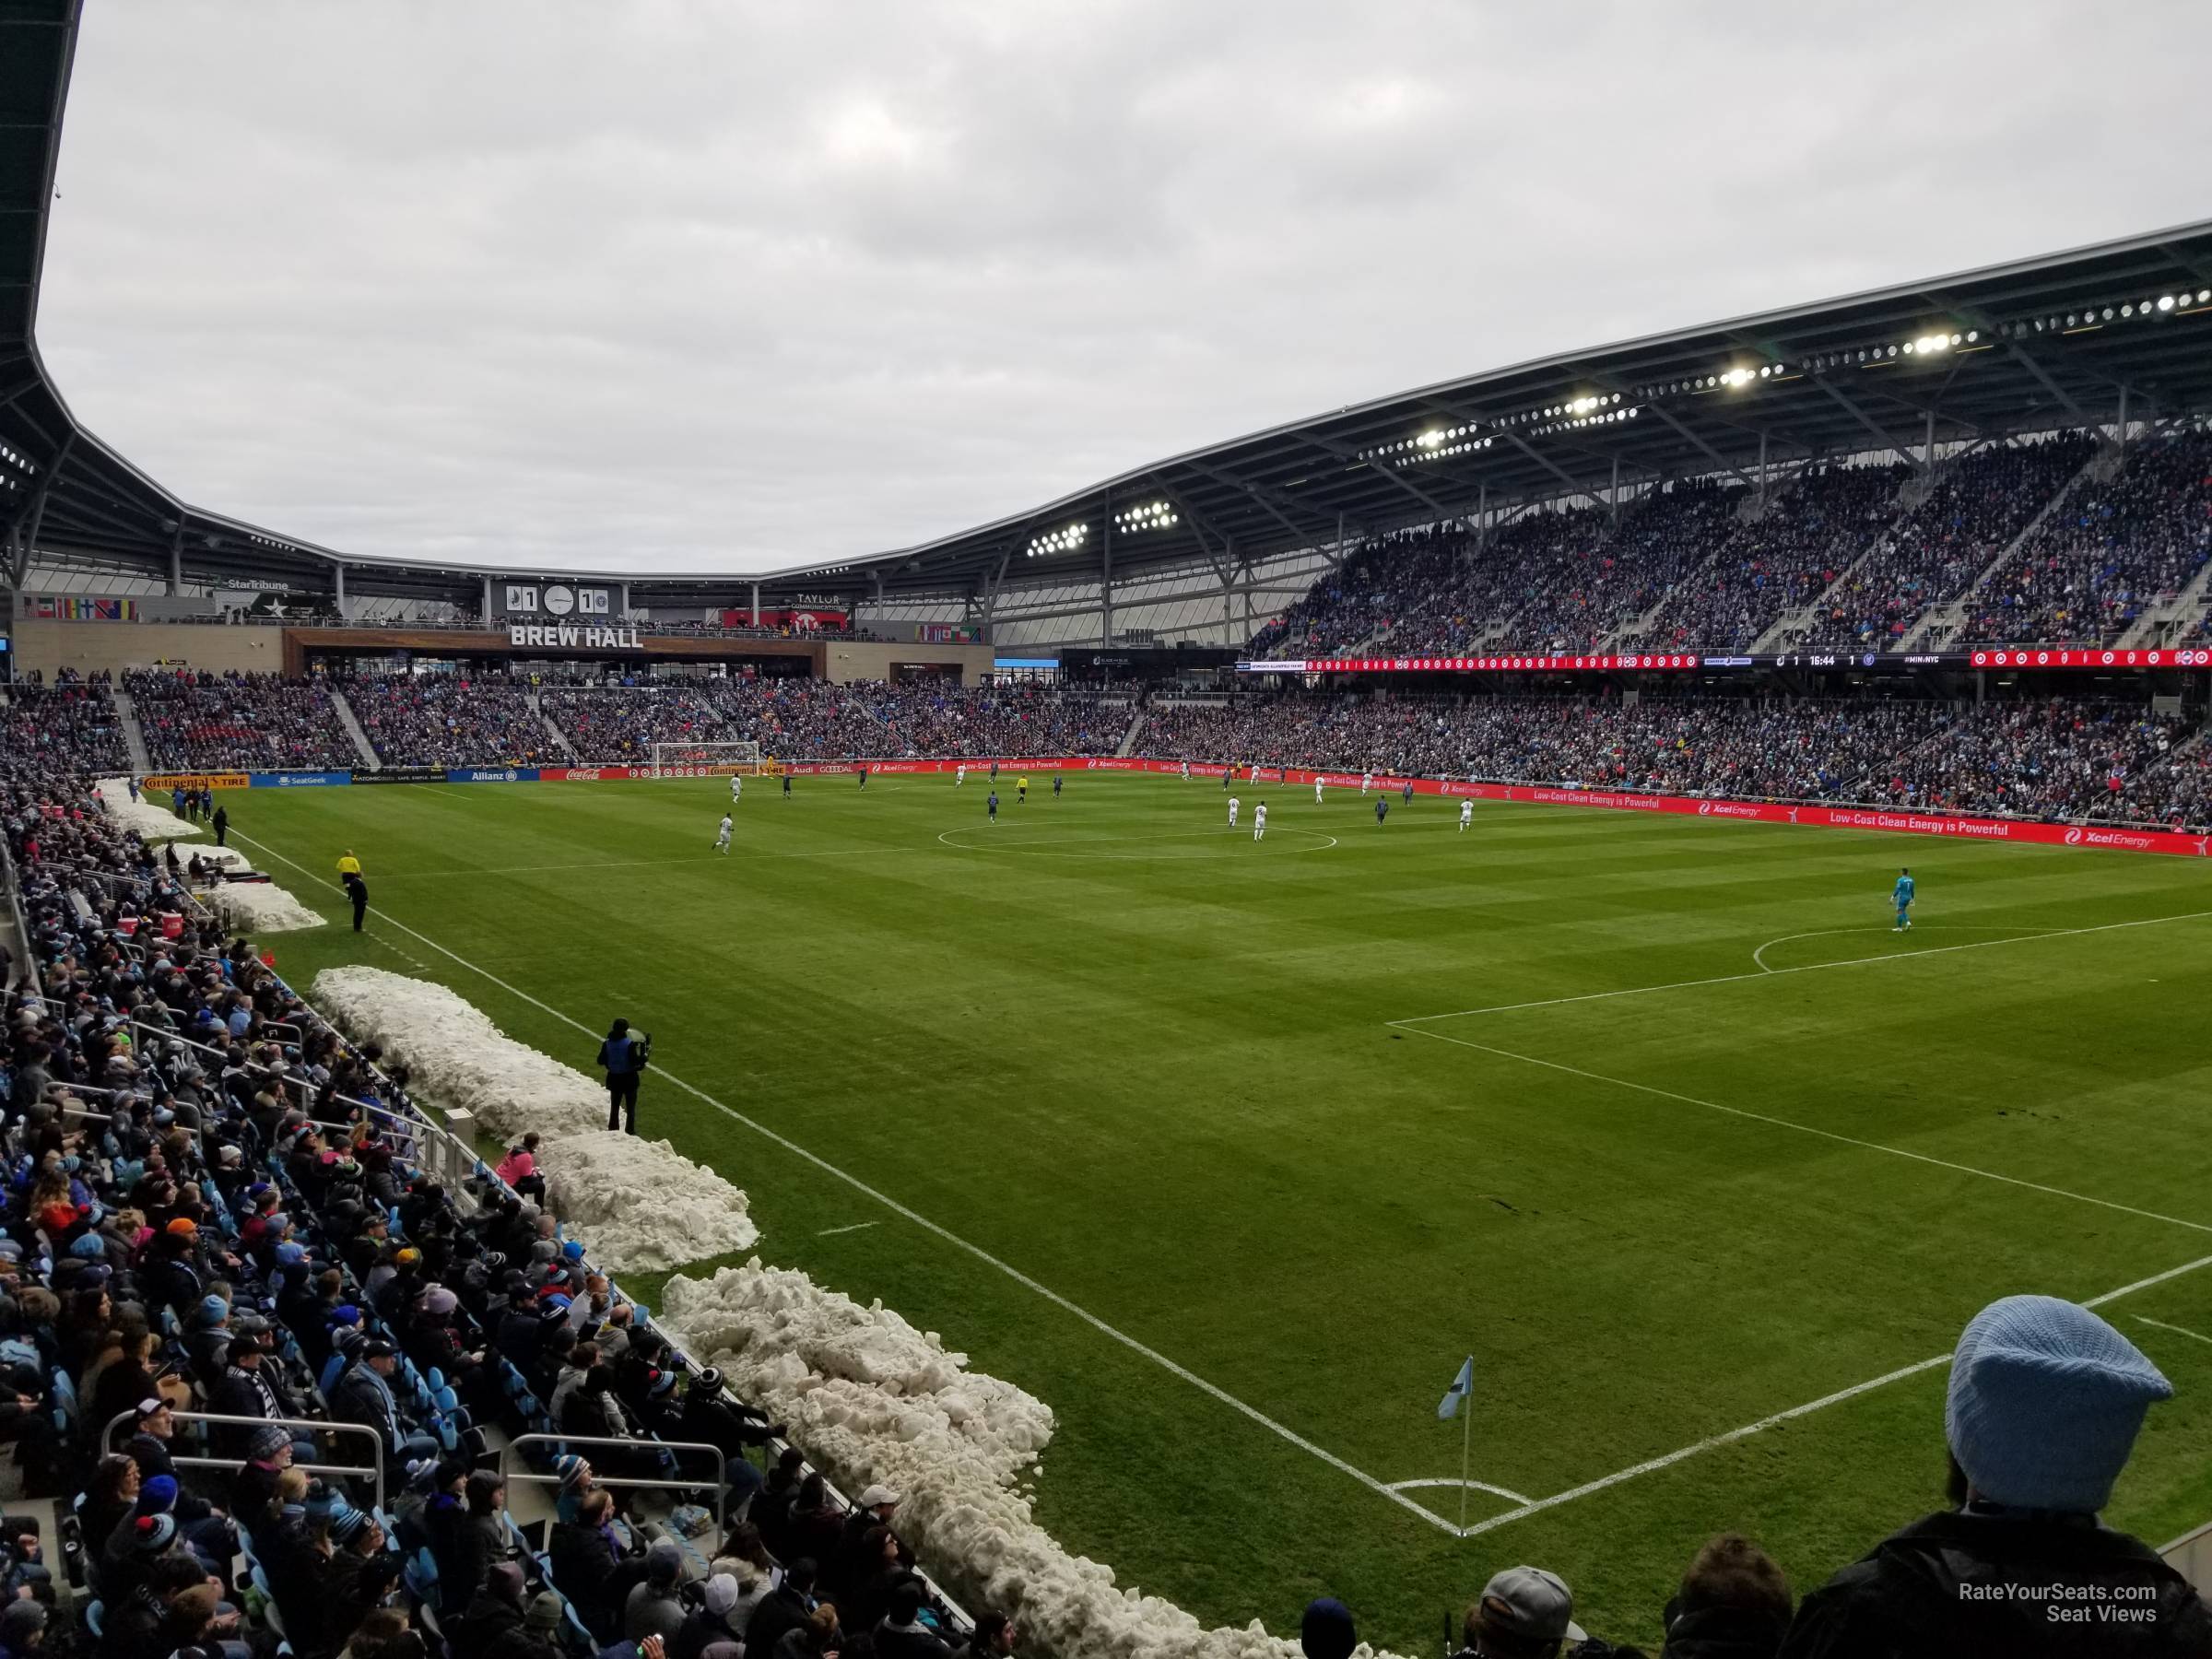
664,286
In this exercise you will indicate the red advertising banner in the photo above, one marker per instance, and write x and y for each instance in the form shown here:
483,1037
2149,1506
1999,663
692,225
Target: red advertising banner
802,621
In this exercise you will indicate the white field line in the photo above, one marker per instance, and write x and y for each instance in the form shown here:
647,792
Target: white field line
830,1232
1766,972
924,1222
2177,1330
1848,1140
1453,1481
1758,957
1652,1465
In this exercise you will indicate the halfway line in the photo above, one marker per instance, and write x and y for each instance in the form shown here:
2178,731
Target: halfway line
977,1250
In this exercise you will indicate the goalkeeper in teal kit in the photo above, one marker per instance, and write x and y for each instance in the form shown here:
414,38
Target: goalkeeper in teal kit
1901,896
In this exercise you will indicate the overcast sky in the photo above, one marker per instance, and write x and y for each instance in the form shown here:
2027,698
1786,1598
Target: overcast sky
691,286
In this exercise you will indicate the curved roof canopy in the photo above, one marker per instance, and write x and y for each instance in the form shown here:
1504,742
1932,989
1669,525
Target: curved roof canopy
2069,338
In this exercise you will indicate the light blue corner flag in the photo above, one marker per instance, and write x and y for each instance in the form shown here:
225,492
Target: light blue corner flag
1462,1387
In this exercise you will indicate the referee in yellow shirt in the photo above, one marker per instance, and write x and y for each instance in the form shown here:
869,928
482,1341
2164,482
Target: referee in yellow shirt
1021,790
349,876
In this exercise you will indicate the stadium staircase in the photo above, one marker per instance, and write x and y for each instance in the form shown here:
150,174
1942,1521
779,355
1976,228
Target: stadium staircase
2165,620
1799,623
133,737
1748,512
1136,725
1951,617
352,724
560,738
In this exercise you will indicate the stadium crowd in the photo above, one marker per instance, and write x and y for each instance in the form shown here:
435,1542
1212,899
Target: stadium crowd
72,722
194,720
2063,757
213,1202
794,716
424,719
2113,547
1979,504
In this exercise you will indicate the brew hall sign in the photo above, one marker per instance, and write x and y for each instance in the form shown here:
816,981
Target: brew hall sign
567,613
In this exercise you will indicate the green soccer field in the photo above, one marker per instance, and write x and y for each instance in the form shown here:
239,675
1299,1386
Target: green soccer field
1654,1117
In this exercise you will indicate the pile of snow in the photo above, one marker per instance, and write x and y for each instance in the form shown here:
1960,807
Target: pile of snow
458,1057
259,907
639,1205
152,823
643,1205
873,1399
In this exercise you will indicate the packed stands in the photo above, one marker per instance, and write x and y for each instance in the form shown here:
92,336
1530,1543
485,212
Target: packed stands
2114,547
424,719
72,723
805,717
201,722
1815,530
219,1205
2060,758
1980,503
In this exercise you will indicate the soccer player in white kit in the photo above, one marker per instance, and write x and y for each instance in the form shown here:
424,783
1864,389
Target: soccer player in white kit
1466,813
736,789
1367,782
1259,820
1232,812
721,842
960,774
1186,771
1317,792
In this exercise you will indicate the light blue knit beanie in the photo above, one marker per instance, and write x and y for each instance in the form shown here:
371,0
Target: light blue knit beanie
2045,1400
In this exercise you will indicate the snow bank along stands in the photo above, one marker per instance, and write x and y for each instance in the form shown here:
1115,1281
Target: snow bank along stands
153,823
873,1399
641,1206
259,907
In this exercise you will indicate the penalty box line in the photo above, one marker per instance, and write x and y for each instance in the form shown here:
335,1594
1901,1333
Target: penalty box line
1848,1140
1712,1442
1211,1390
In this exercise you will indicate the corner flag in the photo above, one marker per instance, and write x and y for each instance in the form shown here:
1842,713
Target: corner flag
1462,1387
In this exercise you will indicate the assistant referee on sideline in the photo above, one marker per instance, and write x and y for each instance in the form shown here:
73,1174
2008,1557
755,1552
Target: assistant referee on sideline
349,877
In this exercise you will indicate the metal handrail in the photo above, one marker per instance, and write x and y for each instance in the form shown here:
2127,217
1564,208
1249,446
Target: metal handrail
722,1477
312,1425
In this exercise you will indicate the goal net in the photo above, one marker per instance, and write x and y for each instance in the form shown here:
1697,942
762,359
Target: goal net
712,759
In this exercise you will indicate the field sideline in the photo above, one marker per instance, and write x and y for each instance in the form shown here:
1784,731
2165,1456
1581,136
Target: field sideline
1654,1117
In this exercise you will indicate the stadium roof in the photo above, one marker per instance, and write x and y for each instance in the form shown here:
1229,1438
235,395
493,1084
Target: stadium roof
2067,338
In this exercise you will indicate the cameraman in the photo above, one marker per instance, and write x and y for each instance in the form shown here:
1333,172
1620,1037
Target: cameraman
624,1057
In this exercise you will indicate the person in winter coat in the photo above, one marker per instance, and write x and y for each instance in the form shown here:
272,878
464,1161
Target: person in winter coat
2043,1405
710,1416
816,1639
1734,1603
491,1612
786,1607
655,1605
900,1634
594,1567
710,1621
519,1168
249,1388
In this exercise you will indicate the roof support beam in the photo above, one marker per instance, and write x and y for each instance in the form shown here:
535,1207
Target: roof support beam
1706,449
1392,474
1266,497
1550,467
1859,415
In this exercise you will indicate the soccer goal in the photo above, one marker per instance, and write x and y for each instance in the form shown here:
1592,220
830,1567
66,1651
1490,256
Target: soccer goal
711,760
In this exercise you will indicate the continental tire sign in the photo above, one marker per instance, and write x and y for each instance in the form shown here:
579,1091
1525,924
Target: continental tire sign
194,781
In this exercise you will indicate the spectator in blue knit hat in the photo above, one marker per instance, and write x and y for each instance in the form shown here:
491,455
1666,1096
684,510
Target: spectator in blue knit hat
2044,1405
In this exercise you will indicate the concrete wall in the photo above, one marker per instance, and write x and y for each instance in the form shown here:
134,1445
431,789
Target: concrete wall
89,646
862,660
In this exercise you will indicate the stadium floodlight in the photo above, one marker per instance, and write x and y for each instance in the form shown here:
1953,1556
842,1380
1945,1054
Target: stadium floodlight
2165,302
